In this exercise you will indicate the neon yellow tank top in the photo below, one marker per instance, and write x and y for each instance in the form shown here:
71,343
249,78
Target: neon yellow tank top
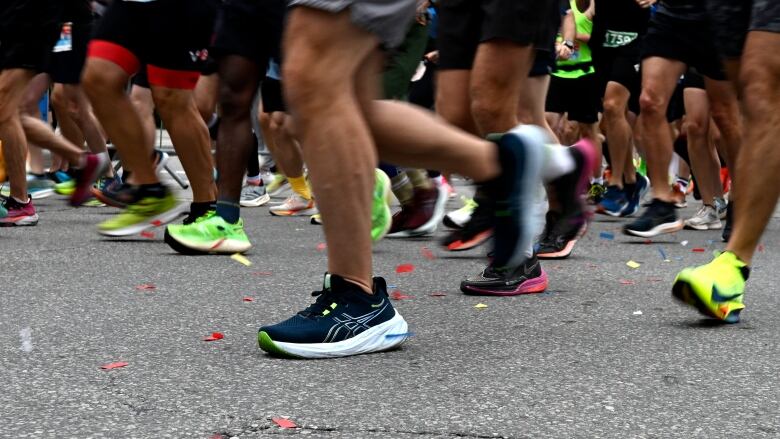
581,56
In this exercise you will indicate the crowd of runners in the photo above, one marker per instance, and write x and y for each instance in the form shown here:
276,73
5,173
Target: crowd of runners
553,109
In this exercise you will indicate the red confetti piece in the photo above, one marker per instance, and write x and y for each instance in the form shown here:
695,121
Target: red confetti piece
698,250
652,279
438,294
760,247
157,223
627,282
404,268
146,287
147,234
397,295
321,246
217,436
248,299
284,423
261,273
648,241
115,365
427,253
214,336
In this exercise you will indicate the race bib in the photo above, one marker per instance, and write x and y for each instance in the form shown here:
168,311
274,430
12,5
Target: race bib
619,39
65,43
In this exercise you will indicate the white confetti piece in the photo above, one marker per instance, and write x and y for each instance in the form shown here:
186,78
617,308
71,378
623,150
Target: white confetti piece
26,335
637,313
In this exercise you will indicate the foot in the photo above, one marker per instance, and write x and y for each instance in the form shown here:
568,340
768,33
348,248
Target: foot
114,193
254,195
559,238
570,189
421,216
716,289
343,321
595,193
37,187
659,217
475,232
635,198
614,201
527,278
316,219
706,218
67,187
381,217
458,218
145,212
679,192
208,234
14,213
294,205
95,165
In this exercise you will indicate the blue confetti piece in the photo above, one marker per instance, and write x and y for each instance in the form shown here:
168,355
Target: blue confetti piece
606,235
392,286
663,254
406,334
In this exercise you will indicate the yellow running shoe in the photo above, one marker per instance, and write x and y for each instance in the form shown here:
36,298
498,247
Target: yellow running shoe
715,289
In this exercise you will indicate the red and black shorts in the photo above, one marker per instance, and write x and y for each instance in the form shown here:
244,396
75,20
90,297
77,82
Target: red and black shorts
171,37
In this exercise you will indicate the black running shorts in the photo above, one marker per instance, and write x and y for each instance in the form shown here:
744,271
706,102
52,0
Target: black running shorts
576,96
732,19
464,24
65,66
688,41
251,29
28,31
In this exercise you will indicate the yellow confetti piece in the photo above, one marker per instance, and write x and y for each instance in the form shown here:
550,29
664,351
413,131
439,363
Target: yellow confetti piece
480,306
633,264
238,257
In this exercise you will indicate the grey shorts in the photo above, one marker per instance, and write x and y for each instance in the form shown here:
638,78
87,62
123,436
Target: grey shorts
387,19
733,19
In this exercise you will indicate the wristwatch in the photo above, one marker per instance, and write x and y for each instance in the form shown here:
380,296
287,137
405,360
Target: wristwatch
569,44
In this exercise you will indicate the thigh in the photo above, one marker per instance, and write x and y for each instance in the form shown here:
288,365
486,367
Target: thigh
659,78
730,20
28,31
120,34
521,22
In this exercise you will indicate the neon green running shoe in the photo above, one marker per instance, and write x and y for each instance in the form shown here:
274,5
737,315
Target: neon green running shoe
381,217
715,289
208,234
66,187
141,215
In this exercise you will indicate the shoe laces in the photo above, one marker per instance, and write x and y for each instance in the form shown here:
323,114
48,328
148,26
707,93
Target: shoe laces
325,300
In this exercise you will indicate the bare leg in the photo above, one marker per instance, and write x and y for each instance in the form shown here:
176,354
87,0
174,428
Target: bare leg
32,96
143,102
726,114
659,78
453,102
618,131
704,159
206,96
104,83
530,108
500,71
757,181
287,152
12,85
190,137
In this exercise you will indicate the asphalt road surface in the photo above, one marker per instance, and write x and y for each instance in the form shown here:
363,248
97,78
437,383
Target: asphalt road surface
605,352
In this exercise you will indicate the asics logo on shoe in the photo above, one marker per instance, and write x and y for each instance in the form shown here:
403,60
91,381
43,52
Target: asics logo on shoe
718,297
348,326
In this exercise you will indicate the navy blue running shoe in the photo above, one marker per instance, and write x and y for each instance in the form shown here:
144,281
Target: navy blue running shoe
343,321
640,189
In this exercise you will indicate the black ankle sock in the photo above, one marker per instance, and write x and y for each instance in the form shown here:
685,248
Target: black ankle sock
156,190
200,208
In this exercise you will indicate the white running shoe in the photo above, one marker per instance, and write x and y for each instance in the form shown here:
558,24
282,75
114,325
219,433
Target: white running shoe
294,205
705,219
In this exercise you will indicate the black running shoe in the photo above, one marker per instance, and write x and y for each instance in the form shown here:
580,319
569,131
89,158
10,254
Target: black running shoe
729,222
343,321
477,231
659,217
560,237
525,279
570,190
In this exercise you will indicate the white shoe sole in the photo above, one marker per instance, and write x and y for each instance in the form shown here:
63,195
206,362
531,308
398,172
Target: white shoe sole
382,337
26,221
223,246
658,230
304,212
257,202
709,226
44,193
159,220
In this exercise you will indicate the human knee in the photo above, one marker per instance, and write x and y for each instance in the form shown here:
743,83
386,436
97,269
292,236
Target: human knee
652,105
235,100
614,108
98,83
308,85
759,88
